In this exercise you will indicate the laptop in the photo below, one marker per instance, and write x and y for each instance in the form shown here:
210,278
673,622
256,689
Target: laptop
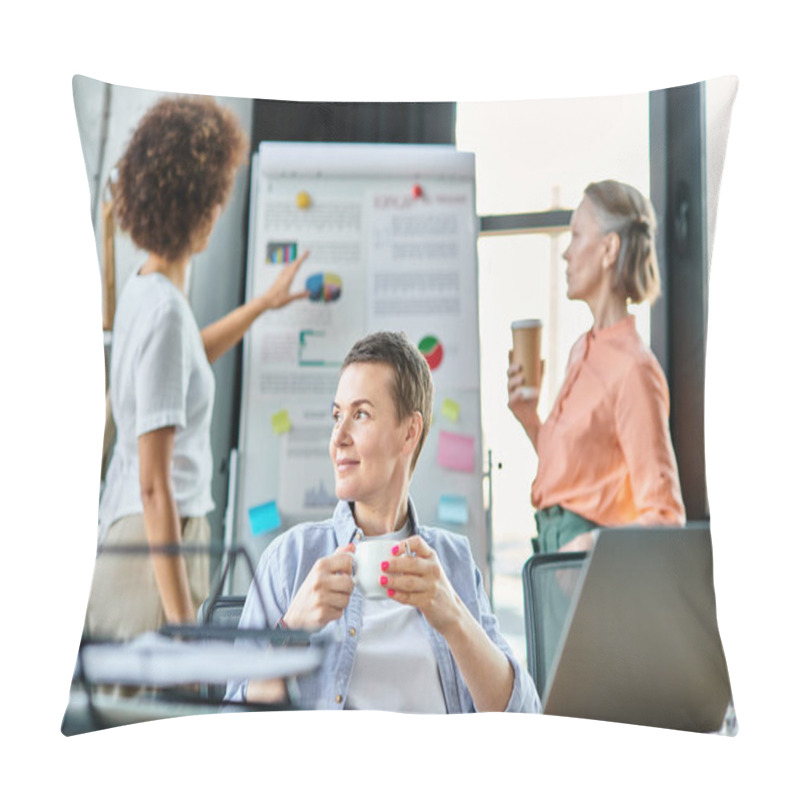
641,643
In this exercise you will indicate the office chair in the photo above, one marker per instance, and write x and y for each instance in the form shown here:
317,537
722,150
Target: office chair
218,617
549,581
222,611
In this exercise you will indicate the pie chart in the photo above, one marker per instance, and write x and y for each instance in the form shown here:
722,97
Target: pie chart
431,348
324,287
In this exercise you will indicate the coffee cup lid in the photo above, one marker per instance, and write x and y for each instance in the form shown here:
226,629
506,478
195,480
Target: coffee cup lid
526,323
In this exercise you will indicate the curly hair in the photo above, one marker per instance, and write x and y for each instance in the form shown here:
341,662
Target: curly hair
623,210
178,167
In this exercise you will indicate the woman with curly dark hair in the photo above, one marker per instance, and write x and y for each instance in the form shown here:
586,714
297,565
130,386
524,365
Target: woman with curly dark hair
174,178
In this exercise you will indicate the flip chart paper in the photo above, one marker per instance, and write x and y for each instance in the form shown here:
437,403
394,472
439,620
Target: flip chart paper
306,486
281,422
451,409
264,518
456,451
453,508
405,263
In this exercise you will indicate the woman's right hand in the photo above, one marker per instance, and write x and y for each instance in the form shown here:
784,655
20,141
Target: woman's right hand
523,400
325,593
280,292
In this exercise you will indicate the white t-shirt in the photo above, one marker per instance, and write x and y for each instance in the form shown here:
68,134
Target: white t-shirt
159,377
395,667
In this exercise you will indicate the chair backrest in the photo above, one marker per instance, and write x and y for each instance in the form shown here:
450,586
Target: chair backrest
549,581
223,611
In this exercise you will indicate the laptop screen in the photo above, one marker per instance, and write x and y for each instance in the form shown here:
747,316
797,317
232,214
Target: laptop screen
641,643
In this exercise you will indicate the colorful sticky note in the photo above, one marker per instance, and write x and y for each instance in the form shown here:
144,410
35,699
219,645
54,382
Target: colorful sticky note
456,451
264,518
303,199
453,509
451,409
281,422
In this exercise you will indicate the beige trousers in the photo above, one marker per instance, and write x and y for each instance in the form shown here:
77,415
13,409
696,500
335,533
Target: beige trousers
124,599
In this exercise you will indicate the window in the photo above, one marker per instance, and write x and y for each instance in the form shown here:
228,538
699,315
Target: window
533,156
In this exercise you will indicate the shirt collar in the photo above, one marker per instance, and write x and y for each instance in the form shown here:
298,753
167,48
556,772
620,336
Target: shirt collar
621,328
344,523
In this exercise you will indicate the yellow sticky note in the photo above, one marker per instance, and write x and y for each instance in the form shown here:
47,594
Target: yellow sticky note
303,199
281,422
451,409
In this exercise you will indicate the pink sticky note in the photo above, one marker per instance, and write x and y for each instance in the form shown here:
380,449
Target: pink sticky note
456,451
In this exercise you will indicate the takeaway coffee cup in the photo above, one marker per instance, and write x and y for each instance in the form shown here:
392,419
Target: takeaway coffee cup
369,555
526,335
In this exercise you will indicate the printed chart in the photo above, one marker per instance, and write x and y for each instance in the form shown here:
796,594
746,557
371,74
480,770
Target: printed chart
431,348
391,235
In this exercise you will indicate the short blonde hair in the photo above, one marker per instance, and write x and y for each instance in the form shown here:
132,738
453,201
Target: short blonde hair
622,209
412,388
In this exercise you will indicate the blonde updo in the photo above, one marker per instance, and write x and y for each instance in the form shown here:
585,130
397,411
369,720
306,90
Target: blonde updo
622,209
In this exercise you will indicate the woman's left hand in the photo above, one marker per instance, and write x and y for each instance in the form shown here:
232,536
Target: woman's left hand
418,580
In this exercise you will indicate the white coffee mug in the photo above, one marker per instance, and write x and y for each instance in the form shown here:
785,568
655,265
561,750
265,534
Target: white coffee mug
369,555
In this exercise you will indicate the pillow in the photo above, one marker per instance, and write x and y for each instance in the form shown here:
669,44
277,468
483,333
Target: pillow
641,140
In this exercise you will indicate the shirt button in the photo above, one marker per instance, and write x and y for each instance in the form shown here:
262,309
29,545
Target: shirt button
338,698
352,631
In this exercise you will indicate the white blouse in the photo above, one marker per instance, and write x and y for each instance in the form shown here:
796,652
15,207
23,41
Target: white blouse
395,667
159,377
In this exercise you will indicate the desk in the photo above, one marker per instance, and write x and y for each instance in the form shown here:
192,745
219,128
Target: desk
161,663
153,659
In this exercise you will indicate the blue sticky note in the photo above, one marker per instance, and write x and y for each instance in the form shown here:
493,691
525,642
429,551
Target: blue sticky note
453,508
264,518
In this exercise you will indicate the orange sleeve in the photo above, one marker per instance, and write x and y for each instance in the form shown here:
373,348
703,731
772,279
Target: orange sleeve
642,419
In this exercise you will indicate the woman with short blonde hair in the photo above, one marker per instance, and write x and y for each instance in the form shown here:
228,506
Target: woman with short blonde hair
623,210
605,452
429,642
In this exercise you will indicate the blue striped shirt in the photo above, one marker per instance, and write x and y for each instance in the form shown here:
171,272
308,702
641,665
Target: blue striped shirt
288,560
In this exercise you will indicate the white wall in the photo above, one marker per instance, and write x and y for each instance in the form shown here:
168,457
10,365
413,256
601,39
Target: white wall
720,94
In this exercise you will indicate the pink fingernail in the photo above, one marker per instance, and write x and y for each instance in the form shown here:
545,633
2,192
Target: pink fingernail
390,592
385,566
384,580
395,550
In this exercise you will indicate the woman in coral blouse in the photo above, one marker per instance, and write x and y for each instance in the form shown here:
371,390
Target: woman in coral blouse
605,453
